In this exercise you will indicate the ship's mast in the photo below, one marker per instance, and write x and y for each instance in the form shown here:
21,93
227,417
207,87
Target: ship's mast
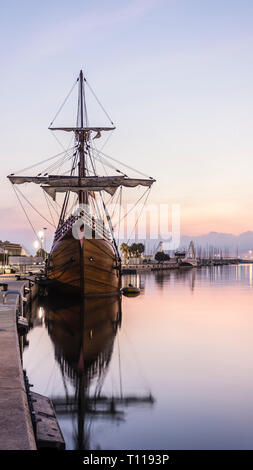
83,197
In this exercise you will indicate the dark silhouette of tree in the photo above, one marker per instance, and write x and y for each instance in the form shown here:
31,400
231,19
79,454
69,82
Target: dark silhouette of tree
160,256
136,249
41,253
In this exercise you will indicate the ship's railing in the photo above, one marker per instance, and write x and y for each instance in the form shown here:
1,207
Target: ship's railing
96,226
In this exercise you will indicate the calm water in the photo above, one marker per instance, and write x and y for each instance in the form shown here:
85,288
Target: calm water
186,340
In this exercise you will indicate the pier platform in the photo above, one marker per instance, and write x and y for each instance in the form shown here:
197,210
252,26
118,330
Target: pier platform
16,431
148,267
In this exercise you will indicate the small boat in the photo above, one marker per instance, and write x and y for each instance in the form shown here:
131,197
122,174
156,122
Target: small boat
180,254
189,260
130,291
188,263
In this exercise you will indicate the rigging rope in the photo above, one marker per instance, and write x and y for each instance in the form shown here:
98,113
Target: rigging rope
115,204
40,163
85,108
68,95
120,205
120,371
58,141
49,209
137,361
148,193
17,189
74,203
36,236
118,161
99,102
103,161
106,140
58,164
137,202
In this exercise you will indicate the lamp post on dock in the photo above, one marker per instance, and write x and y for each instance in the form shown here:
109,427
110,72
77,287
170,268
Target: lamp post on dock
45,248
5,259
41,238
36,244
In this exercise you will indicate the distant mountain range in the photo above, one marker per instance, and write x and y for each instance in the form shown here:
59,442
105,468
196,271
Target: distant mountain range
227,242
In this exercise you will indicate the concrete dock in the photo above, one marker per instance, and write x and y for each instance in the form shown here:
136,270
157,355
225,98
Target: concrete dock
16,431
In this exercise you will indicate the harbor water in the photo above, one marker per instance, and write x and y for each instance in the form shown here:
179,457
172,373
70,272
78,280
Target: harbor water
171,368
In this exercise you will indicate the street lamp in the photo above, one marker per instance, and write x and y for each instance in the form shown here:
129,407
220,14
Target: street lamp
5,258
41,237
45,248
36,245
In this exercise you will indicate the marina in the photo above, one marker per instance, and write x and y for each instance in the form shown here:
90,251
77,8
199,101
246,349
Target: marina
99,372
126,235
133,391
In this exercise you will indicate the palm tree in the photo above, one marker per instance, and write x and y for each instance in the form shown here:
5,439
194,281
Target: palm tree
140,248
124,248
134,250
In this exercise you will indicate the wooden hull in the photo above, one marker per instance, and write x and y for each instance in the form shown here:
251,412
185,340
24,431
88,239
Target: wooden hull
85,268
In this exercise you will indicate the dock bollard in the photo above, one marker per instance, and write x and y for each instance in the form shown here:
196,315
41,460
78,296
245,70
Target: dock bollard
21,298
22,323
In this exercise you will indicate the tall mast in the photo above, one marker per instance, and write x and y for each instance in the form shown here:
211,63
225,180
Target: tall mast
83,199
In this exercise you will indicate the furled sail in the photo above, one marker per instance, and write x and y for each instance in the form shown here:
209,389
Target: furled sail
106,183
27,179
54,183
80,129
52,190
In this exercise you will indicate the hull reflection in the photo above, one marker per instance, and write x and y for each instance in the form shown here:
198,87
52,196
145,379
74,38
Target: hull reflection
83,336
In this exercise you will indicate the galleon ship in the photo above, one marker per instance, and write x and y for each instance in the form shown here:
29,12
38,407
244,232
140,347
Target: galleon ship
87,264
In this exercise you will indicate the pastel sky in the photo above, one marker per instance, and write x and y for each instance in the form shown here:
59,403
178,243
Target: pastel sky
175,75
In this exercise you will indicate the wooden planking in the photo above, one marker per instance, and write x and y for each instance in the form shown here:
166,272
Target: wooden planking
100,273
99,263
65,260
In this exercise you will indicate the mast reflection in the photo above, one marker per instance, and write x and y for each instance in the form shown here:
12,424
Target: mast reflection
83,336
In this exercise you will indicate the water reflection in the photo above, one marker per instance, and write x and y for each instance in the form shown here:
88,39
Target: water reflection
135,280
187,337
209,274
186,275
83,337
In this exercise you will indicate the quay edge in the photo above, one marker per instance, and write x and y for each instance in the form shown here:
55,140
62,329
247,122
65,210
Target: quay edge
28,420
16,431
